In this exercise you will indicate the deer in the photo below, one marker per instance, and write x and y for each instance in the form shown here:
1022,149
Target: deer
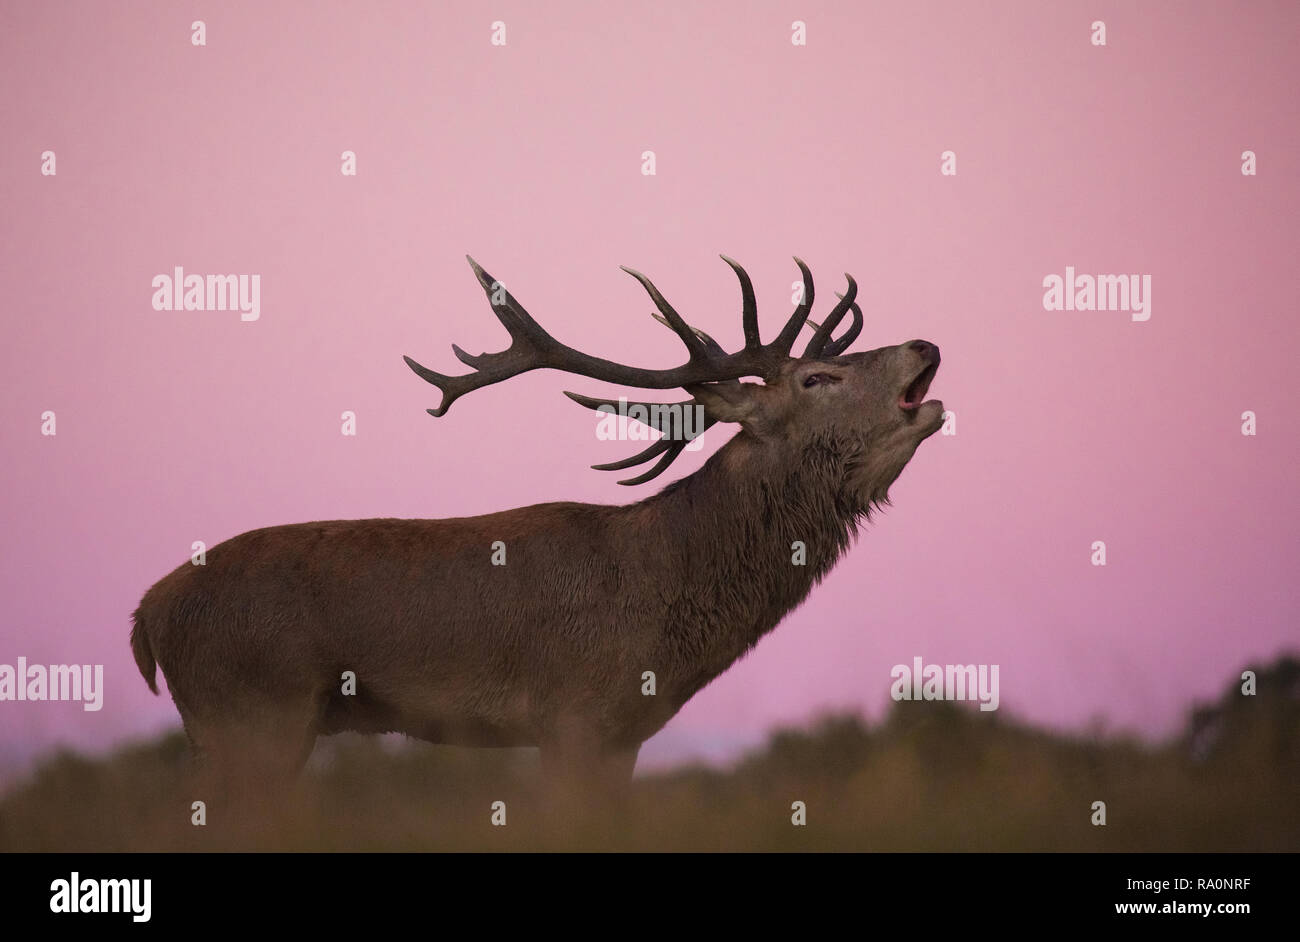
552,649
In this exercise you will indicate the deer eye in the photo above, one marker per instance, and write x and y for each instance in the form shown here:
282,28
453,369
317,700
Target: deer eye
814,378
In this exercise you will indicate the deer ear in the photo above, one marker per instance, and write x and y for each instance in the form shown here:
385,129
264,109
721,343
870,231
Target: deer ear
726,402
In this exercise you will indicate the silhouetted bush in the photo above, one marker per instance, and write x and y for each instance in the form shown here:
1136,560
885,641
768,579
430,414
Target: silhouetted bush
930,776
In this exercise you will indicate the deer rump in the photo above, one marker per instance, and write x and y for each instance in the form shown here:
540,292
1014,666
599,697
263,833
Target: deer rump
579,628
443,644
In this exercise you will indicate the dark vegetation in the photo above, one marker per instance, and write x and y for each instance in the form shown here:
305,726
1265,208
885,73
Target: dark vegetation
931,776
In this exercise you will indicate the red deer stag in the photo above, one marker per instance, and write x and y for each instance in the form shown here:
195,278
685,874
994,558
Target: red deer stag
550,649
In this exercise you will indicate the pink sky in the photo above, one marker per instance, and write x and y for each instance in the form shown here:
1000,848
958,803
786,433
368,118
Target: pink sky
1073,426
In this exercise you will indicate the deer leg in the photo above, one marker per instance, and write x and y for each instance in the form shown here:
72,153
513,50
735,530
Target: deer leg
588,770
250,764
614,770
585,788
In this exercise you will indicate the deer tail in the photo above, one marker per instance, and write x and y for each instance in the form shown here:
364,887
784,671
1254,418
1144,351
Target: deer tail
144,658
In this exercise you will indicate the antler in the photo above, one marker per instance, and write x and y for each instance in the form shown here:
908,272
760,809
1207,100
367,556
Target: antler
532,348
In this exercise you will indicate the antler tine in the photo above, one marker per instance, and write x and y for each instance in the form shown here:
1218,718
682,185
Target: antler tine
670,455
785,340
749,308
668,448
841,343
694,345
510,313
659,415
714,347
659,447
656,418
820,339
530,346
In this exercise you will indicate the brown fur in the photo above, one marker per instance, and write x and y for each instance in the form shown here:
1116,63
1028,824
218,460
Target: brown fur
548,650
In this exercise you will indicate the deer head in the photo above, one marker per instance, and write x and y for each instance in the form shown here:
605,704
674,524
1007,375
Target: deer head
861,414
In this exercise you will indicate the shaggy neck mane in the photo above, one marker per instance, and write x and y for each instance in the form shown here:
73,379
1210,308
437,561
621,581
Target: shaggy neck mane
730,528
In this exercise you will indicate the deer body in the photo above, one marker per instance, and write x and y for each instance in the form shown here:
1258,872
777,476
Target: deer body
549,649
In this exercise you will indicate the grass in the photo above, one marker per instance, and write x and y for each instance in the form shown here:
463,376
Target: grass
930,777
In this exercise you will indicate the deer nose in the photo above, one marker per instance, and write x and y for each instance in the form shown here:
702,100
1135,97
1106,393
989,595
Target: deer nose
927,350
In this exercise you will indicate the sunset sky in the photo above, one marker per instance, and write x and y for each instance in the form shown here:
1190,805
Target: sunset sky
1071,426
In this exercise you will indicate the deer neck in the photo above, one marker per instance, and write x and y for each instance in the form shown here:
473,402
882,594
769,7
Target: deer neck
746,538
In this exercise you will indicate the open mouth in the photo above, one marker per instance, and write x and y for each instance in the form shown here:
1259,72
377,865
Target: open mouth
914,395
